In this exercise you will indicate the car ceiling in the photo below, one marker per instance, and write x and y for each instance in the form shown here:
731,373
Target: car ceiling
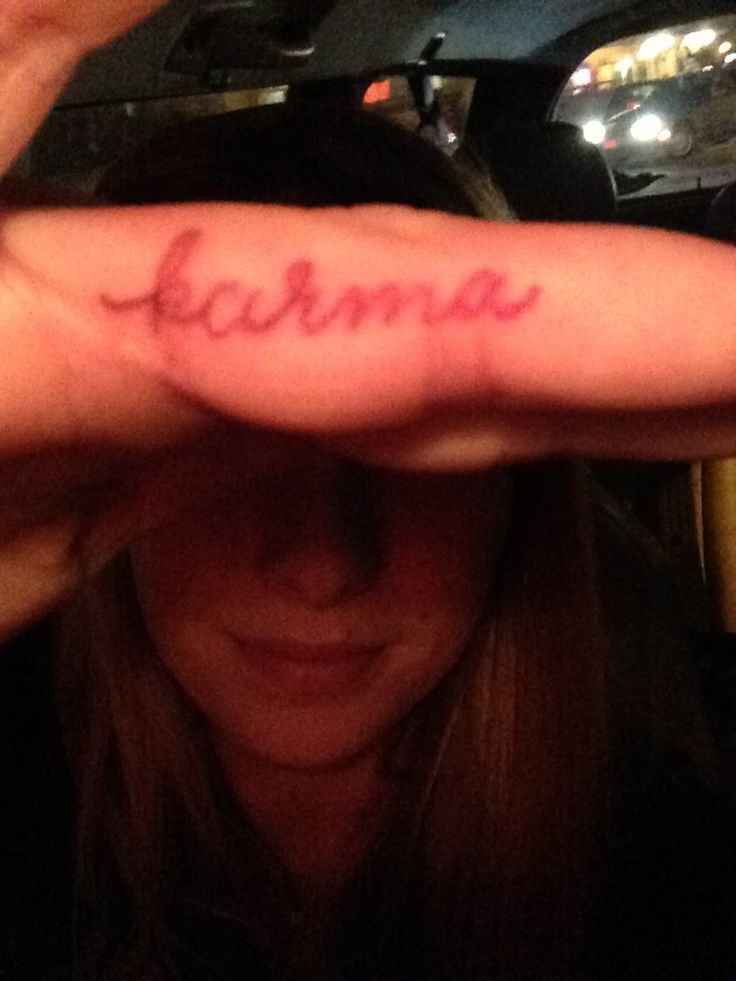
361,37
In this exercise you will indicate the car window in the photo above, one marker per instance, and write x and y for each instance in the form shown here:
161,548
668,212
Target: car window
661,106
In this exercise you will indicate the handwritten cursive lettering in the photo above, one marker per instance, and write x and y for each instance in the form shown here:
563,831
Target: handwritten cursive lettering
231,306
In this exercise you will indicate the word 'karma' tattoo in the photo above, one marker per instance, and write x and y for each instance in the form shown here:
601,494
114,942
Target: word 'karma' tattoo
232,307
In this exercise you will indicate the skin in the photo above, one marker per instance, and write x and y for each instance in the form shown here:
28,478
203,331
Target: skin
277,557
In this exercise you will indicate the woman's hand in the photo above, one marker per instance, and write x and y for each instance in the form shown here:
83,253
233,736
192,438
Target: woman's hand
411,339
41,42
89,24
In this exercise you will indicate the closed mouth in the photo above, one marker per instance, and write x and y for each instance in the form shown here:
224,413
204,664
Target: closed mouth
310,654
309,669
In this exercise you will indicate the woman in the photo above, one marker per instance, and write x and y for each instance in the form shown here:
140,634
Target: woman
328,720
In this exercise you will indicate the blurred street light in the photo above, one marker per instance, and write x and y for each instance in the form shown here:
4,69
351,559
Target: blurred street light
655,45
696,40
624,66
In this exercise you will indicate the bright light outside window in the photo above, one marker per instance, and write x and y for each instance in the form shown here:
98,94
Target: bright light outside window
660,107
581,77
594,131
696,40
647,128
655,45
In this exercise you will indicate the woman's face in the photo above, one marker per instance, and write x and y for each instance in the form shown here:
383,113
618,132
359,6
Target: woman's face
307,603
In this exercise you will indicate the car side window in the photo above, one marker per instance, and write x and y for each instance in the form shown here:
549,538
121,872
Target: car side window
655,104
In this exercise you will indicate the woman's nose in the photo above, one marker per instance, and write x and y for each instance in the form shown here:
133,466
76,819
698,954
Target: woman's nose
323,546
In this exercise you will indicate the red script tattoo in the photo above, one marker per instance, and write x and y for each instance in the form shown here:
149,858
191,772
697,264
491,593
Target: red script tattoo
233,307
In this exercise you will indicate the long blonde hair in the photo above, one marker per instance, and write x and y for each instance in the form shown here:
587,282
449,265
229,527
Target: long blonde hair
500,808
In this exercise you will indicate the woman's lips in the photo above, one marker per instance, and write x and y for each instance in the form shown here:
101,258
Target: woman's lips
311,669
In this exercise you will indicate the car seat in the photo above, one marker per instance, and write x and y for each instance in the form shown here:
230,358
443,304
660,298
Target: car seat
549,172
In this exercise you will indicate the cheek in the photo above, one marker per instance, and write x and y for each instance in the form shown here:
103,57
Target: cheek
196,557
443,554
181,575
434,575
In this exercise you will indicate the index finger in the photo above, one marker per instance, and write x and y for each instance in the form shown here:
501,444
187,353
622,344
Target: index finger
345,320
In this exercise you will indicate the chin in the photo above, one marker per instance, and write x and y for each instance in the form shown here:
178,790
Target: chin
307,741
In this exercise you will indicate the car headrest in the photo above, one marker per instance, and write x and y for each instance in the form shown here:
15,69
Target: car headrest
720,220
549,172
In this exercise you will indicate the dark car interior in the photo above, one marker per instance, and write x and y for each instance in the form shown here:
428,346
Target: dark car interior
514,58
